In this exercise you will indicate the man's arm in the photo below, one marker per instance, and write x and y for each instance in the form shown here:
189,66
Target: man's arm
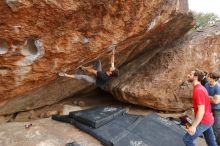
113,58
199,115
198,119
215,99
88,69
62,74
91,70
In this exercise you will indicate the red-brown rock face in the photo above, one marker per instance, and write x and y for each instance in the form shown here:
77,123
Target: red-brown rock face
42,37
160,82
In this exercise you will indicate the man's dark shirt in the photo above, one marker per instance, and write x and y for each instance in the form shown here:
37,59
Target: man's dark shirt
101,78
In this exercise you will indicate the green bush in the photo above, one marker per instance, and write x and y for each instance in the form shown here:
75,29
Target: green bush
204,19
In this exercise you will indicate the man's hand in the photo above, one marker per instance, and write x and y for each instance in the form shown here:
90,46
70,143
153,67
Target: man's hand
62,74
191,130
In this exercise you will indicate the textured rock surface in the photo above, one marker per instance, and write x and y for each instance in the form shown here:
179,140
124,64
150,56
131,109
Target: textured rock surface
159,83
42,37
63,107
43,133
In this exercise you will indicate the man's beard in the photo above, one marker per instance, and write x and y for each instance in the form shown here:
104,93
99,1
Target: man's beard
190,80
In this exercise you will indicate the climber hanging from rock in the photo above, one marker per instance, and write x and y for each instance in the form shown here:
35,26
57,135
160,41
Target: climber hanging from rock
101,76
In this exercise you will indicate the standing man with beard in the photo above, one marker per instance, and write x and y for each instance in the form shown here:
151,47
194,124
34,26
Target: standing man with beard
203,116
213,89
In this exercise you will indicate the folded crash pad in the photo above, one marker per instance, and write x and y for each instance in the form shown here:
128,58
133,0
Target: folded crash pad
63,118
97,116
130,130
155,130
134,130
110,131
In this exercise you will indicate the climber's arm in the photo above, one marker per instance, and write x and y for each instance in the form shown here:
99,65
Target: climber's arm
91,70
62,74
113,58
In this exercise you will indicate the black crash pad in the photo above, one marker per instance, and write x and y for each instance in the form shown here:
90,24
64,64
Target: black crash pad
111,131
63,118
97,116
105,133
129,130
133,130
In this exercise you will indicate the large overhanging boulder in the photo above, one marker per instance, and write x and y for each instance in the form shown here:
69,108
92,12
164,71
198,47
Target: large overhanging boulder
161,82
42,37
